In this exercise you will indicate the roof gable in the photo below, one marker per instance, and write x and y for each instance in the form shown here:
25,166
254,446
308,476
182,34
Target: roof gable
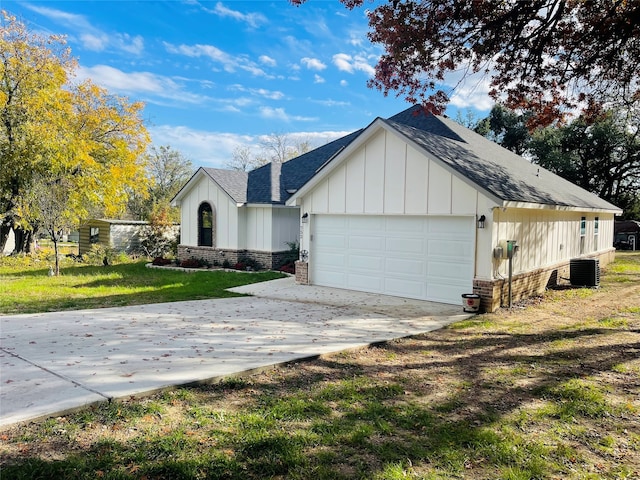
489,167
501,174
232,182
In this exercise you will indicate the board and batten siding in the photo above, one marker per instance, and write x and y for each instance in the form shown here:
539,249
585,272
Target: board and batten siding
388,176
225,210
269,228
549,237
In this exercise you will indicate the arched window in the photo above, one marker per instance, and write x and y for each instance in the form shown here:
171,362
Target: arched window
206,223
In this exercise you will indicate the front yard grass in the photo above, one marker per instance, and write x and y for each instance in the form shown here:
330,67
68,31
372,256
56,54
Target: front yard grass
546,390
26,287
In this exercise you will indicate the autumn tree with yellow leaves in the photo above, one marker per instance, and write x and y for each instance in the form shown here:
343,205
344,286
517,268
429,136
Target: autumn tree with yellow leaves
60,133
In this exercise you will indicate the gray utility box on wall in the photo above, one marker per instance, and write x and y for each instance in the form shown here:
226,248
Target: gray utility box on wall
584,272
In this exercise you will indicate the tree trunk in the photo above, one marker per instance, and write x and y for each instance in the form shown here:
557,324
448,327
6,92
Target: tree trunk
5,229
24,240
55,252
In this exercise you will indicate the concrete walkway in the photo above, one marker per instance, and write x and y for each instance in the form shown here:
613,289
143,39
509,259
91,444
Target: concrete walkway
52,363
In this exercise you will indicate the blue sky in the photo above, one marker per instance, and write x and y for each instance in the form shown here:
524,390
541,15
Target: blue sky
217,74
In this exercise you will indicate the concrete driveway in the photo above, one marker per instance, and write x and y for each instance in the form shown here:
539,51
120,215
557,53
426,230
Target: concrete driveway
52,363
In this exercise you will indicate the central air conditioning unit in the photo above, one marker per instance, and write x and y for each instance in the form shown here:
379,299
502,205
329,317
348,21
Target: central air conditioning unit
584,272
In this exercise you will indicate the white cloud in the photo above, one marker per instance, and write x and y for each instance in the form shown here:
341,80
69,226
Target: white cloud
274,113
351,64
134,45
215,149
331,103
207,149
93,42
154,87
251,19
280,114
313,64
268,61
344,83
343,62
90,37
229,63
259,92
318,79
471,90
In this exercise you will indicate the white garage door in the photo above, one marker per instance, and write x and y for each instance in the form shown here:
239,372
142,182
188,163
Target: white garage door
428,258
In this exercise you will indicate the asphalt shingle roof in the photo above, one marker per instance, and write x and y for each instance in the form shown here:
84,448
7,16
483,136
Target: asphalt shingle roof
293,174
234,182
498,171
502,173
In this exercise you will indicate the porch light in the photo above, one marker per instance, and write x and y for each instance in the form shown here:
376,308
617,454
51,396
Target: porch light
305,217
481,221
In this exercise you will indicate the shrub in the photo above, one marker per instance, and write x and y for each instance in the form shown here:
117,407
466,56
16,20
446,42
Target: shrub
191,263
289,261
288,268
161,261
103,255
159,237
247,263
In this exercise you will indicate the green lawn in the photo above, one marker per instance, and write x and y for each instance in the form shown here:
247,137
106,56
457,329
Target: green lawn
547,390
26,287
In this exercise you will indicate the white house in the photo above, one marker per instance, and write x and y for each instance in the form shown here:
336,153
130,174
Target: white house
414,205
229,214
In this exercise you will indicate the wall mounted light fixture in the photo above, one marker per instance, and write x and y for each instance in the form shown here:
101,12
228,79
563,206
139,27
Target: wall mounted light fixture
305,217
481,221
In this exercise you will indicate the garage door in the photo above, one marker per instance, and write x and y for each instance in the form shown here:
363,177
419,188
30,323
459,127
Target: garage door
428,258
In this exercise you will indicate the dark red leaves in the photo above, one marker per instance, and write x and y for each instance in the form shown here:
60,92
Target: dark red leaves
550,55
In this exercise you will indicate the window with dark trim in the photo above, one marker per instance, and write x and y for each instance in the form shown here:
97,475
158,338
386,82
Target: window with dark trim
94,235
205,225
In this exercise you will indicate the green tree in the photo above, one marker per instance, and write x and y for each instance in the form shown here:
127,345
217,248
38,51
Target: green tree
45,205
76,135
167,170
507,128
601,156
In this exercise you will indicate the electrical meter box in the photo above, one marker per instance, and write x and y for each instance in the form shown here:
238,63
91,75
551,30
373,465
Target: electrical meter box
506,249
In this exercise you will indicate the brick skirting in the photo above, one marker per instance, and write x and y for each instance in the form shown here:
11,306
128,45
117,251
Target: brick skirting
302,273
495,293
269,260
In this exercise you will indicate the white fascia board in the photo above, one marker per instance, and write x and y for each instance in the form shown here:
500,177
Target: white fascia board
266,205
201,172
177,198
562,208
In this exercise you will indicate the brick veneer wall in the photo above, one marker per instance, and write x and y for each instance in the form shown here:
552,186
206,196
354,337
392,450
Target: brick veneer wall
302,273
495,293
269,260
